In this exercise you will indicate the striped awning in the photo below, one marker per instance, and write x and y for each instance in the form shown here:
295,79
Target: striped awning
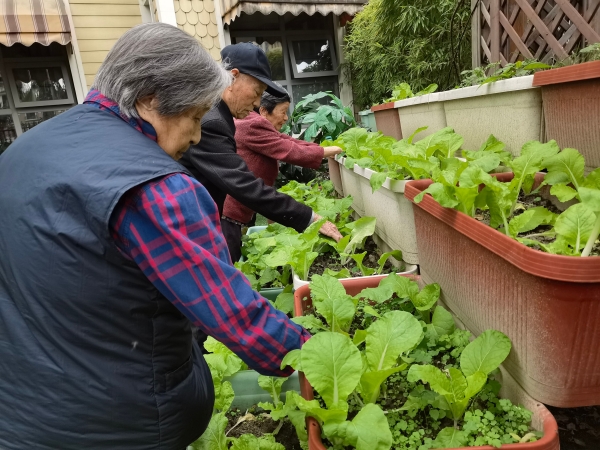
31,21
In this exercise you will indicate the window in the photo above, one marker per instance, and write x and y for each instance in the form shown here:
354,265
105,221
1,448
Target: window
35,85
301,50
312,57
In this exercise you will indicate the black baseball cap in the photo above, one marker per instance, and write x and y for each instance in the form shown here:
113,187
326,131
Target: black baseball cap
251,60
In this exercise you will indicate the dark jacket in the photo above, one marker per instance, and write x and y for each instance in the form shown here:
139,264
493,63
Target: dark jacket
91,354
215,163
261,146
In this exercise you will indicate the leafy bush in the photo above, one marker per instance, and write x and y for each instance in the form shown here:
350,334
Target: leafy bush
419,43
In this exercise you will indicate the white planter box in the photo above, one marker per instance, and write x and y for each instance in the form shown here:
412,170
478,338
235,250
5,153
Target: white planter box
351,186
424,111
394,213
510,109
298,283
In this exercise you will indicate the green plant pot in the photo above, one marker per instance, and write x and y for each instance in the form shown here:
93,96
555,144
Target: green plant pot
249,393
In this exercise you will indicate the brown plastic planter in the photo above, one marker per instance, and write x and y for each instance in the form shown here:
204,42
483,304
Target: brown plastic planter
388,120
542,419
335,176
548,305
571,103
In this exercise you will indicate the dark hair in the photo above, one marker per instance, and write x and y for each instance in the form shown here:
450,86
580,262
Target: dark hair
269,102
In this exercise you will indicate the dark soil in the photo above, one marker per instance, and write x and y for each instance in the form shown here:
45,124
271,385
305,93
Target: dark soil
332,261
530,201
260,424
578,428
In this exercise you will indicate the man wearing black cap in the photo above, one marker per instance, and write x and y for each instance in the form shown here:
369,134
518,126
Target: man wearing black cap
215,163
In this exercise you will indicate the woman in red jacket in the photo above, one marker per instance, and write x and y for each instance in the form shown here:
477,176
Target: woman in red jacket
262,146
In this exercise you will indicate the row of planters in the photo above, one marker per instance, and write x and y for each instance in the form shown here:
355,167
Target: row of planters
541,107
509,250
386,368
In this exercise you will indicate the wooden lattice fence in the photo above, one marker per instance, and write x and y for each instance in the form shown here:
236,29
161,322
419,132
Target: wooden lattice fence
506,31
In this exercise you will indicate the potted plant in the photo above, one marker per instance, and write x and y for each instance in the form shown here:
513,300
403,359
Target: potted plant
372,357
571,95
547,302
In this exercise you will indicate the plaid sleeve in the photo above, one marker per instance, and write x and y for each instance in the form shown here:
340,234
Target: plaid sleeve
170,227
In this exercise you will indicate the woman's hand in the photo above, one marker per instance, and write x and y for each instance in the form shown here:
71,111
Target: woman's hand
329,229
331,151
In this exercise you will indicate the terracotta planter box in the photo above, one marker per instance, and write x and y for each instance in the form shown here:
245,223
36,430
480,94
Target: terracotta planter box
335,175
548,305
423,111
510,109
351,186
394,213
542,418
409,269
571,102
367,119
387,120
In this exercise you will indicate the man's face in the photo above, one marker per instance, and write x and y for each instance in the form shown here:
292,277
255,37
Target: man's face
244,94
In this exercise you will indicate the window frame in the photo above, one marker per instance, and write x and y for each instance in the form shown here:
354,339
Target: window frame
328,73
26,63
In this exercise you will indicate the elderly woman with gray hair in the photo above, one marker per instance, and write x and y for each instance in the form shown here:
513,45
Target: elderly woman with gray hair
262,146
111,253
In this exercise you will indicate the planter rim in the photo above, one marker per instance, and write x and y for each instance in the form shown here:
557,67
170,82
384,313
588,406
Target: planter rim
573,269
389,105
365,112
576,72
499,87
389,184
410,269
421,99
549,440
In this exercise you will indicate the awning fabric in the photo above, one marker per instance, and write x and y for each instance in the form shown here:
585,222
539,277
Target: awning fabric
233,8
30,21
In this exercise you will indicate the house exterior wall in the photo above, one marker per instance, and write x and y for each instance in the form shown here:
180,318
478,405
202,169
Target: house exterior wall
198,19
98,24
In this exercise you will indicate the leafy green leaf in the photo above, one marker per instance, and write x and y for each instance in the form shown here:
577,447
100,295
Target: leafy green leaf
252,442
442,322
563,192
332,365
530,220
575,225
214,437
369,430
293,359
387,338
224,396
450,437
427,297
272,385
569,162
370,382
377,179
485,353
332,302
590,198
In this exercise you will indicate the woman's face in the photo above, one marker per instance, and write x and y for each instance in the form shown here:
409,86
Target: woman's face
279,115
175,134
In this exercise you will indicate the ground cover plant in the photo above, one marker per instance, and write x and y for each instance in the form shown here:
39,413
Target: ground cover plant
408,159
391,370
572,232
403,91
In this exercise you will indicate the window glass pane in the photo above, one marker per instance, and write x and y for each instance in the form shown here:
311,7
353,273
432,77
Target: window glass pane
272,46
30,120
7,132
40,83
301,90
312,56
3,95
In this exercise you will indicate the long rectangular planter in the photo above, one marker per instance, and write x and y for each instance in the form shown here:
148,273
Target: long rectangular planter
571,102
249,393
335,175
542,419
510,109
548,305
387,120
367,120
394,213
409,269
423,111
351,186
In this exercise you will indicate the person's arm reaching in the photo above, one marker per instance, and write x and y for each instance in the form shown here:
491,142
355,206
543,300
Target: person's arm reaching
215,158
169,228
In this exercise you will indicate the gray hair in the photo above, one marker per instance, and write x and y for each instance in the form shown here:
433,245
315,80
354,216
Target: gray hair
269,101
162,60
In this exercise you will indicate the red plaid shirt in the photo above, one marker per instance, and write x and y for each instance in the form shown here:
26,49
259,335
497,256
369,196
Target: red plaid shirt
170,227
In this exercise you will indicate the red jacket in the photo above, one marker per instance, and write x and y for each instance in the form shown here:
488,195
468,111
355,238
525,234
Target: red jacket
262,147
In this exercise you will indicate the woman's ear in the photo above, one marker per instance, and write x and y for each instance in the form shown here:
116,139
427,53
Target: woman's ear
147,103
262,111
